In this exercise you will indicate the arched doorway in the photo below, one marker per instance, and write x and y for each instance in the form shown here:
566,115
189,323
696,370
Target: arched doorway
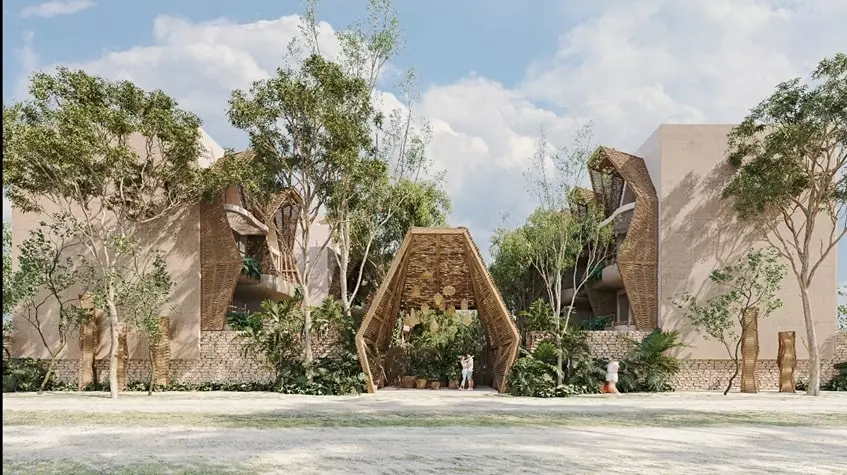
437,268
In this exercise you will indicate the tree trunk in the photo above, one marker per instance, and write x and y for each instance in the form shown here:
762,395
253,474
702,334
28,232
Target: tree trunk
113,349
152,371
814,388
343,265
307,328
737,368
50,369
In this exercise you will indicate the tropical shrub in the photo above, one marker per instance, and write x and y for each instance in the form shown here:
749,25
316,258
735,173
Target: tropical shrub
251,268
532,377
839,382
23,375
647,367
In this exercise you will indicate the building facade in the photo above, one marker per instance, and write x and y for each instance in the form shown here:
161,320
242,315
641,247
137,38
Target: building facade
221,257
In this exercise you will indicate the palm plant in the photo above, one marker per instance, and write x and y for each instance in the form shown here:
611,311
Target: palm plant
648,367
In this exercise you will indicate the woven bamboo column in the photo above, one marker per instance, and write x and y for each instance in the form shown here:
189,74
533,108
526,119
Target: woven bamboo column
786,359
162,354
88,342
123,356
749,351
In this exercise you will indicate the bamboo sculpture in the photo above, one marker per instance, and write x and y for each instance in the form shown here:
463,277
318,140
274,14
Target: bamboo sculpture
162,354
88,342
123,356
749,351
786,359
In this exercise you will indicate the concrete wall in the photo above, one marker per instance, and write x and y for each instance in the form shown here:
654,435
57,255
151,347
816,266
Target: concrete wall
699,232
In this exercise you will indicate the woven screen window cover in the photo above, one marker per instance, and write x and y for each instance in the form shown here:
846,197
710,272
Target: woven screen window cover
437,268
638,256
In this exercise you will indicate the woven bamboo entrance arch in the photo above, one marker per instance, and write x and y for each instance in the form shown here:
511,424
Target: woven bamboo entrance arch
430,260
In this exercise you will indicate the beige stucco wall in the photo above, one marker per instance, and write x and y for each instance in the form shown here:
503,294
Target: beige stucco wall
698,232
322,262
177,235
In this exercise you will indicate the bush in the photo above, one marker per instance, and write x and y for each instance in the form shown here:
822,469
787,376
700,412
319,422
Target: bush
839,382
23,374
545,351
240,320
646,367
531,377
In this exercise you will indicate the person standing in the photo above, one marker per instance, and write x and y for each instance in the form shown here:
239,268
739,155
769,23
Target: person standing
611,385
467,373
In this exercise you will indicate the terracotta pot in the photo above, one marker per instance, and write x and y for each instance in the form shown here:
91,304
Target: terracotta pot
408,382
435,385
420,383
453,385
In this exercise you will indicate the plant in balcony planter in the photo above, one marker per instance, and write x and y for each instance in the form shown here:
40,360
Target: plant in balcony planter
251,268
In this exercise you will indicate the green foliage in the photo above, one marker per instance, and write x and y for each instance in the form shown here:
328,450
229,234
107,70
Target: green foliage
538,318
842,311
839,382
240,320
109,155
597,323
71,140
546,352
436,343
23,375
750,284
251,268
274,336
45,281
647,367
532,377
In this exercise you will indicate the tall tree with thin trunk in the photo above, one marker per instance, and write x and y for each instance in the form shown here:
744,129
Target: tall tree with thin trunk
112,157
49,282
750,284
790,156
306,125
567,238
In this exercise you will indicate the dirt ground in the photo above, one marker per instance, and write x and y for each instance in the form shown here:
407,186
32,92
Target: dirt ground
48,434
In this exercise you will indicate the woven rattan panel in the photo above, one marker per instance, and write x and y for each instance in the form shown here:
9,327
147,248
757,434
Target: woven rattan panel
439,268
220,264
749,351
786,359
88,341
162,353
639,254
123,355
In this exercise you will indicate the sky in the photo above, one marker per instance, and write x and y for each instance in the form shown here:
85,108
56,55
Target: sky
491,73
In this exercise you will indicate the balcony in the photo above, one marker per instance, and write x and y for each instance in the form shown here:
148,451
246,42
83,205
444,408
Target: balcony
243,222
254,284
621,218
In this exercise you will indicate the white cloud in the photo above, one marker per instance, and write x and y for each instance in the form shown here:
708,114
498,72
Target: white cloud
56,8
628,68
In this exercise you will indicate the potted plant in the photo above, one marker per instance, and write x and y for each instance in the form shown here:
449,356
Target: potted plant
453,378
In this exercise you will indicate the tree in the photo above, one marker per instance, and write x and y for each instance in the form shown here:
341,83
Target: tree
112,157
10,294
842,310
306,126
749,285
789,156
377,238
141,300
511,269
566,234
47,276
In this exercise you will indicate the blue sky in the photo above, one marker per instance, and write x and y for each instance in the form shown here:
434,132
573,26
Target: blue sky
491,72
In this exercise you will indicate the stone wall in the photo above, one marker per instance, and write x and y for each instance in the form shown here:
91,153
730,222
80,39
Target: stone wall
221,361
698,375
